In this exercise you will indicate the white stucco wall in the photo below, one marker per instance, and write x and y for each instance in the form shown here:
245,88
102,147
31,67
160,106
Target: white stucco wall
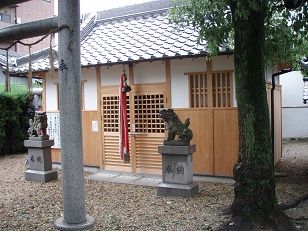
152,72
90,88
292,89
111,75
51,94
90,91
294,112
224,62
294,122
179,81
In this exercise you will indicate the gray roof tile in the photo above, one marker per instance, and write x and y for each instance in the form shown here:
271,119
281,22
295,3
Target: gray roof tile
136,36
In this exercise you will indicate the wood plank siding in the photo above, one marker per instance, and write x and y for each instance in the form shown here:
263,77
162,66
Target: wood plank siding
211,109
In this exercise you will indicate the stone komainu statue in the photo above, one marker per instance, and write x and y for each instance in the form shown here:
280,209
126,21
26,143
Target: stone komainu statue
38,126
177,133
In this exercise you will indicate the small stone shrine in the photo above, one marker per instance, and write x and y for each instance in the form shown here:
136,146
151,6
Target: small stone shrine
176,154
39,150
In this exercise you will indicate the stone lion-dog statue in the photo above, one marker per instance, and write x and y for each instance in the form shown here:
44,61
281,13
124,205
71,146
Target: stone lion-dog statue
177,133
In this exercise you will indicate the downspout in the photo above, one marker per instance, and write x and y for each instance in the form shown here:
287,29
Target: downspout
273,109
15,22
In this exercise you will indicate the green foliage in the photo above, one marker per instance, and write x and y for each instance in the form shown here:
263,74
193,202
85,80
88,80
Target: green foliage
211,18
15,89
13,121
286,29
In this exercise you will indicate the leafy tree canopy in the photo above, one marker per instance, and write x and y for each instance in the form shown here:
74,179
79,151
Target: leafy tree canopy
286,25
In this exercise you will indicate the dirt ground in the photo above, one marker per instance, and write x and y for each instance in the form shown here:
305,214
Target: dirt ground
28,205
293,179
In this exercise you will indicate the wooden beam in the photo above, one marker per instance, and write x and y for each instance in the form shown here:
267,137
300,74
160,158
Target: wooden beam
7,3
168,102
28,30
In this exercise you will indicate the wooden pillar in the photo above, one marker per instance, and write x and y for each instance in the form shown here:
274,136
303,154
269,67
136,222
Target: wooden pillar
209,74
168,102
99,116
133,156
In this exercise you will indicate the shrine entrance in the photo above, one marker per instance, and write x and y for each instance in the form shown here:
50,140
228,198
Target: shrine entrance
146,129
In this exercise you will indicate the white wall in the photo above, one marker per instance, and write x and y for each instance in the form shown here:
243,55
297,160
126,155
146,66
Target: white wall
294,112
224,62
90,91
179,81
152,72
90,88
111,75
292,89
294,122
51,94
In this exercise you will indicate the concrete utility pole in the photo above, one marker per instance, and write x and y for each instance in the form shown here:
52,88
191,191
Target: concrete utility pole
74,216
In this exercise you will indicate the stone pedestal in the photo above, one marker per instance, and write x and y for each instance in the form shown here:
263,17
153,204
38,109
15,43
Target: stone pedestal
39,160
177,171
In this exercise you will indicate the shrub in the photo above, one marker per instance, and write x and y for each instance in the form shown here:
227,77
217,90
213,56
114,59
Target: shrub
13,121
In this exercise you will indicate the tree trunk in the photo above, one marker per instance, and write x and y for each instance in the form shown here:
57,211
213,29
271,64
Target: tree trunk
254,171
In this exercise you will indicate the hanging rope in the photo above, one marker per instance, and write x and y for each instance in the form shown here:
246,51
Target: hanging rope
123,123
30,73
51,72
39,40
51,58
7,74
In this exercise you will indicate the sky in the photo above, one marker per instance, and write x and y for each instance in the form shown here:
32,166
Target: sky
87,6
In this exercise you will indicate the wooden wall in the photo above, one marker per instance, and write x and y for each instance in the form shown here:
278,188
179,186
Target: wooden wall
90,141
216,137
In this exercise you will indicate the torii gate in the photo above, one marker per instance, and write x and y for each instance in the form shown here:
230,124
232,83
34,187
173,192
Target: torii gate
74,216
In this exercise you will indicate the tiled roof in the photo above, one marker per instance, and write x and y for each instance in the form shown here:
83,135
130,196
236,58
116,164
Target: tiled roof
131,34
12,58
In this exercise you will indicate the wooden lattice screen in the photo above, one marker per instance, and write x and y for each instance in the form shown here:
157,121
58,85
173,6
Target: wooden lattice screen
198,90
110,108
147,118
221,88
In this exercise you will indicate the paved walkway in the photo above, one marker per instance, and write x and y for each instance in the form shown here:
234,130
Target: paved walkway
145,179
138,178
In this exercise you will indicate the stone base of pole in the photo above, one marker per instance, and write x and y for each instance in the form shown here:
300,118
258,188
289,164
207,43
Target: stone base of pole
61,225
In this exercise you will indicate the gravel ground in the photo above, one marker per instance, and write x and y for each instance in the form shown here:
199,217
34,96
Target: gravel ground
294,180
35,206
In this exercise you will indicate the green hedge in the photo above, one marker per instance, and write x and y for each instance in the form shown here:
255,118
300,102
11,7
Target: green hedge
13,121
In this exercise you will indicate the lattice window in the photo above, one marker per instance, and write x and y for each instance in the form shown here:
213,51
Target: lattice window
198,90
147,118
222,89
110,108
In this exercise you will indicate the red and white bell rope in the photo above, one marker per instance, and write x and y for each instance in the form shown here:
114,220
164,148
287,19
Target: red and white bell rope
123,123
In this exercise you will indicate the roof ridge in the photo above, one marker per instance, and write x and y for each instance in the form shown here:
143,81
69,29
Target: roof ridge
35,55
131,15
141,8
